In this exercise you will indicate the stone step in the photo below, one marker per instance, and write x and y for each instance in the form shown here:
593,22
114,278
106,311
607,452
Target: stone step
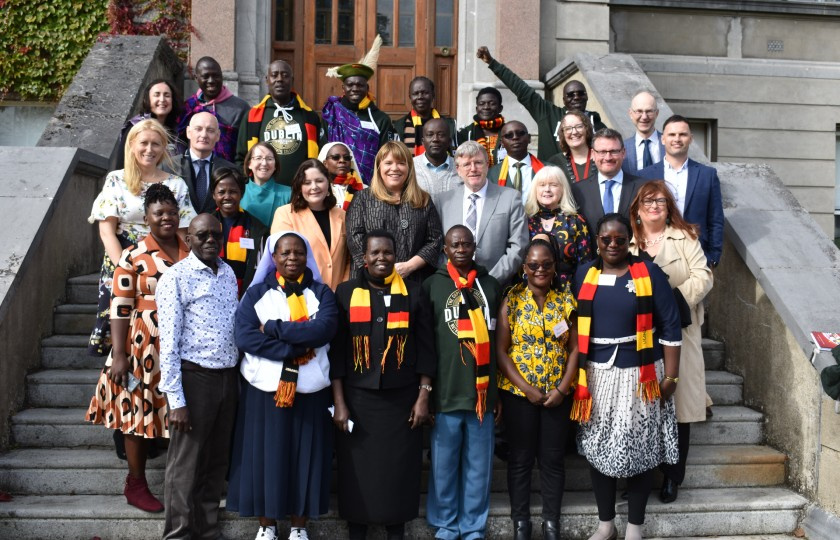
76,319
68,352
70,471
698,512
725,388
714,354
83,289
61,387
731,424
48,427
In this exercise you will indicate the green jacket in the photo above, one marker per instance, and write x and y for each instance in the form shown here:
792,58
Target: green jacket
454,388
546,114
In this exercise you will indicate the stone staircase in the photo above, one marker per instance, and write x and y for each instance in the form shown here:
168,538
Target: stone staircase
67,481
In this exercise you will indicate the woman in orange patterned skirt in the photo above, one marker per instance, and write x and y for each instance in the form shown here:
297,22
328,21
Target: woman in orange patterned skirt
127,396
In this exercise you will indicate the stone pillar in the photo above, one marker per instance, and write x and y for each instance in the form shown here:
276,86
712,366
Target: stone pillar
214,22
579,26
253,48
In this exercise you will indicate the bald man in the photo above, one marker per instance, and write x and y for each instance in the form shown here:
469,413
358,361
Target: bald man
200,160
214,97
284,121
645,148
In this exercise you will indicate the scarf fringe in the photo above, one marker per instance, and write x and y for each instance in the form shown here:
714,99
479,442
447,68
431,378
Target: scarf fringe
582,409
361,358
285,395
481,404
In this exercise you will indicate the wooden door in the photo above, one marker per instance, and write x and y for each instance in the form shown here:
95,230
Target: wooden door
419,38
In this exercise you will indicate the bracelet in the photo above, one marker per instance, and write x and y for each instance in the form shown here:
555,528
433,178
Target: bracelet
674,380
566,393
425,387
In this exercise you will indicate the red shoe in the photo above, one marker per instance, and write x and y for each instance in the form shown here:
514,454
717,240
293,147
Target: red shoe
137,494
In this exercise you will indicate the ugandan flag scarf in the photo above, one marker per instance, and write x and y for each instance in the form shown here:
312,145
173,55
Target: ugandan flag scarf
536,165
473,335
396,329
255,118
413,131
285,396
354,184
648,389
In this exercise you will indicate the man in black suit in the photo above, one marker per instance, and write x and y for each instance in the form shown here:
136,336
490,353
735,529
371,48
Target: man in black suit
199,160
612,190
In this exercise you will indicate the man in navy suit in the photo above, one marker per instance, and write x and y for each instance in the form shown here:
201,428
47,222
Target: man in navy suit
612,190
200,160
696,187
645,148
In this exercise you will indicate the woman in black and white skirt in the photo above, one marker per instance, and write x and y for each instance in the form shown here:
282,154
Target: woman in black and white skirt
629,331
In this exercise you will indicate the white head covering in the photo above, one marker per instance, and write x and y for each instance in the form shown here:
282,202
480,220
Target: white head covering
266,265
325,151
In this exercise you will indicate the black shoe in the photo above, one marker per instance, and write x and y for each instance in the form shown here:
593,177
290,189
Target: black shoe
119,444
669,491
551,530
624,495
522,530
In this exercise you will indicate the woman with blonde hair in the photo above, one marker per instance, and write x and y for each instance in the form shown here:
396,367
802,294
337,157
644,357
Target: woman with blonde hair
552,216
119,211
396,203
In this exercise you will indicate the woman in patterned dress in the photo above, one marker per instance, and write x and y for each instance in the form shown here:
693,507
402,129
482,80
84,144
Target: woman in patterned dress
118,209
552,216
537,355
136,407
629,338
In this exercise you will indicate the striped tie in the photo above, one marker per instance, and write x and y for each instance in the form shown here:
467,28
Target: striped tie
472,214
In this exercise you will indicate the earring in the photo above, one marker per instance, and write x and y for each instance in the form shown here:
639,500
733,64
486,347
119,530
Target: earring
598,251
638,220
524,276
668,220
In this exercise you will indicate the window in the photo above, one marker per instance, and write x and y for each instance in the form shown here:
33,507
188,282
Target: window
704,131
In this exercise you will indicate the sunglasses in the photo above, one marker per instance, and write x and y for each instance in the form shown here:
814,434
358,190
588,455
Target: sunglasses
538,266
339,157
617,240
515,134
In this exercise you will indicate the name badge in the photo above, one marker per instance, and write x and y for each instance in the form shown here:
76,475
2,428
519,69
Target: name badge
368,125
387,300
246,243
492,325
560,328
607,280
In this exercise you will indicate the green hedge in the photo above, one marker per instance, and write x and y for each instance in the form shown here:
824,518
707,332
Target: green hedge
43,44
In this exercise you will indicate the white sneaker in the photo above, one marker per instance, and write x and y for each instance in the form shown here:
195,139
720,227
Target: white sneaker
267,533
298,534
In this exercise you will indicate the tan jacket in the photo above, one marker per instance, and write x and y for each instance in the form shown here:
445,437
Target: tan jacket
683,260
333,261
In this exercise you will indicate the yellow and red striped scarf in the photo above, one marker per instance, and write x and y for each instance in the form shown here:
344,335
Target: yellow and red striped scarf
413,126
255,116
536,165
473,335
285,396
396,328
648,389
353,182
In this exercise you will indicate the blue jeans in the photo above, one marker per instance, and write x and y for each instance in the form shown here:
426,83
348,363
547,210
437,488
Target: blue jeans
459,485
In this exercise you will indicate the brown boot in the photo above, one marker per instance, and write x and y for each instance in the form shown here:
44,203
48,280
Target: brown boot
137,494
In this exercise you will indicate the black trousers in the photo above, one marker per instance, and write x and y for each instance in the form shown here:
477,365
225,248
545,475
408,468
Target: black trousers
197,462
676,472
535,432
638,489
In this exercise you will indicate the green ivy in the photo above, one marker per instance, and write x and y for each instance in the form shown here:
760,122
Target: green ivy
43,44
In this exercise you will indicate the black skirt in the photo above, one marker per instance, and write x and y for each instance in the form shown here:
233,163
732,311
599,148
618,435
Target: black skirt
379,463
281,461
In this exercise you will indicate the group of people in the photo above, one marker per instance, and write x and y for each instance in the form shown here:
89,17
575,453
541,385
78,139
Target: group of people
278,288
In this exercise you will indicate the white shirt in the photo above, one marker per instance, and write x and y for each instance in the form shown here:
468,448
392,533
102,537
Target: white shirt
677,182
654,149
616,187
479,204
527,174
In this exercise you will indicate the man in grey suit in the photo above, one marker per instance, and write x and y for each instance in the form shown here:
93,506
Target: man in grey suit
612,190
645,148
493,213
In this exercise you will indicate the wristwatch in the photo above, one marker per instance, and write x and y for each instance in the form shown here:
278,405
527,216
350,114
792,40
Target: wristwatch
674,380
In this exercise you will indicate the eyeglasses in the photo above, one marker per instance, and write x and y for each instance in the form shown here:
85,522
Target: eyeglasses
617,240
264,159
578,93
645,112
339,157
613,153
661,201
570,129
548,265
515,134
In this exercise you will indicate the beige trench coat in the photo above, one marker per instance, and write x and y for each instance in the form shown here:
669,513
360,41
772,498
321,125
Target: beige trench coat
683,260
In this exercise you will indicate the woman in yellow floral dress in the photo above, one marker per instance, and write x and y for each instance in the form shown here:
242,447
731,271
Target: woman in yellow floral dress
536,344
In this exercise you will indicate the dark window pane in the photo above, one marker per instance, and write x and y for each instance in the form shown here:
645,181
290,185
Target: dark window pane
346,20
406,23
444,16
385,21
323,22
284,21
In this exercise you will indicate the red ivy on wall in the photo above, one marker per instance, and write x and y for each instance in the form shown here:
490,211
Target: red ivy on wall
170,18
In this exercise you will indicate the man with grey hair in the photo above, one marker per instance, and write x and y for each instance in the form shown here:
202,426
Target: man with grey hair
493,213
645,148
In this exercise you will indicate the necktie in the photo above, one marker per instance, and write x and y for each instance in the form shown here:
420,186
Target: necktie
201,182
517,177
608,197
647,159
472,214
